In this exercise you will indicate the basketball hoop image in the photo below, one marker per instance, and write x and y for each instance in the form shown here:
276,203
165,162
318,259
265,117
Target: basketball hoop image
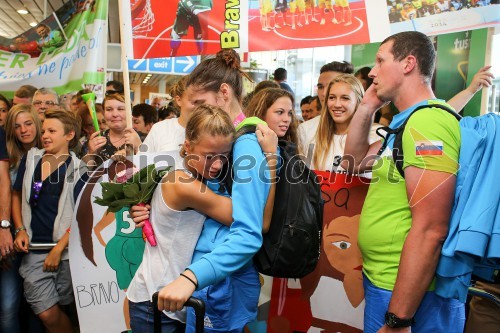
141,11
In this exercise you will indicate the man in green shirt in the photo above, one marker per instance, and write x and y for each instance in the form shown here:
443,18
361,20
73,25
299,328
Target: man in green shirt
405,219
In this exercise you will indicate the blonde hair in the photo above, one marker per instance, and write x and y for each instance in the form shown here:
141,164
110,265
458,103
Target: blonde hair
207,119
263,100
326,129
15,148
116,96
178,89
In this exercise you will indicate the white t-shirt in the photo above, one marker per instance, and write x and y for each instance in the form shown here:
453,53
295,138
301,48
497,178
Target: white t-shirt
166,135
307,133
176,235
307,136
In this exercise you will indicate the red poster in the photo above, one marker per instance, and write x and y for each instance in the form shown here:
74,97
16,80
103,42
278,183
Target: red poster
331,298
308,23
192,27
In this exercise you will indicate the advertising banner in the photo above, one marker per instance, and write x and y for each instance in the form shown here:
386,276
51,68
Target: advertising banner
193,27
197,27
64,52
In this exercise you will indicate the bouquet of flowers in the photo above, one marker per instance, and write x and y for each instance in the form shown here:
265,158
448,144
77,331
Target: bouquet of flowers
132,187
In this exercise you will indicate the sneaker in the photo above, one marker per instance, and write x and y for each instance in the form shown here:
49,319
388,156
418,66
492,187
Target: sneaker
334,21
299,24
322,22
293,27
265,29
314,19
277,26
348,23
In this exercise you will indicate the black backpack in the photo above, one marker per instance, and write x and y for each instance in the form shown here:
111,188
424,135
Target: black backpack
291,247
397,150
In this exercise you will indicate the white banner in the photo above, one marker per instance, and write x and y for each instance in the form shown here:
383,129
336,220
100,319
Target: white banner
68,56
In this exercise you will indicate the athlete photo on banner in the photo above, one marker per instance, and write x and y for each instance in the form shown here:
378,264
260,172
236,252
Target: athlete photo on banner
194,27
176,28
64,52
442,16
287,24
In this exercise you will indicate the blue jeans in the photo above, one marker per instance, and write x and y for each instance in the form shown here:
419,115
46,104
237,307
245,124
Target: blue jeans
435,313
10,296
141,319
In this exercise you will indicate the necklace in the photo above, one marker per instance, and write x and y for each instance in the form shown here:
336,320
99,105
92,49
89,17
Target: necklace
114,142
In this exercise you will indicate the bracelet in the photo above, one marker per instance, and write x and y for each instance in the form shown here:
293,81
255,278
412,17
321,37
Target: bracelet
18,230
192,281
270,154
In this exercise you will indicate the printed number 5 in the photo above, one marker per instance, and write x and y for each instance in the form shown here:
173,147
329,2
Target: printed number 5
131,225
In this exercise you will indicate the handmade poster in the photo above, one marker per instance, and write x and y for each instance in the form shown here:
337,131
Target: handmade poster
331,298
106,249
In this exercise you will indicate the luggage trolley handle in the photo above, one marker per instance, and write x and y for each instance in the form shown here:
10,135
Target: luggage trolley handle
197,304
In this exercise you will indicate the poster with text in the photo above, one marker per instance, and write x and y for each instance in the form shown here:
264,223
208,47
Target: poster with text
64,52
106,250
331,298
192,27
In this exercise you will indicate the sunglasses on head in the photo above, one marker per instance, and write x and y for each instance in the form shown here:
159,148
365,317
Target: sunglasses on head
112,92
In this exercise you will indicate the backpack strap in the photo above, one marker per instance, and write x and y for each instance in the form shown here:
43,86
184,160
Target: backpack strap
226,175
397,149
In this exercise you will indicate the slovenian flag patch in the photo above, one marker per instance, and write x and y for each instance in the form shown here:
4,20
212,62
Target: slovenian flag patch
426,148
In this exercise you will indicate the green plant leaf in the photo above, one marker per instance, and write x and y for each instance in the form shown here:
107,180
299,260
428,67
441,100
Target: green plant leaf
138,189
131,191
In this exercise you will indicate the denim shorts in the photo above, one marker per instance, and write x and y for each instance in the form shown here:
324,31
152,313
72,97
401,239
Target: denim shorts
142,319
435,313
230,304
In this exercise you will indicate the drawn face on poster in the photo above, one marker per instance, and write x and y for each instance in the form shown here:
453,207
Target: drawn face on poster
306,305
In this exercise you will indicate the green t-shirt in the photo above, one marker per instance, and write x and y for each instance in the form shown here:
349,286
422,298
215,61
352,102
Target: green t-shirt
431,140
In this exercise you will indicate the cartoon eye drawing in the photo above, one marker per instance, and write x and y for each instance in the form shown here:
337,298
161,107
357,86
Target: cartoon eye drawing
343,245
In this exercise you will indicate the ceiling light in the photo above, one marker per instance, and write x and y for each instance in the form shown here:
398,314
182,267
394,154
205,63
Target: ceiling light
23,11
33,24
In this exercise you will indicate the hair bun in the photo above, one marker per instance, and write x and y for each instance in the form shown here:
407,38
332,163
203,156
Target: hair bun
230,57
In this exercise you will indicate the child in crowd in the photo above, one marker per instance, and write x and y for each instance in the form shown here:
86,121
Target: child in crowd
179,207
47,183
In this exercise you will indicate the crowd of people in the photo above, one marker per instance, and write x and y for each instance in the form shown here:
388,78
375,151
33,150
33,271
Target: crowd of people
403,10
207,237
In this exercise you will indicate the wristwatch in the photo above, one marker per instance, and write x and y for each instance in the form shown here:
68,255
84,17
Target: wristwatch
394,321
5,224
